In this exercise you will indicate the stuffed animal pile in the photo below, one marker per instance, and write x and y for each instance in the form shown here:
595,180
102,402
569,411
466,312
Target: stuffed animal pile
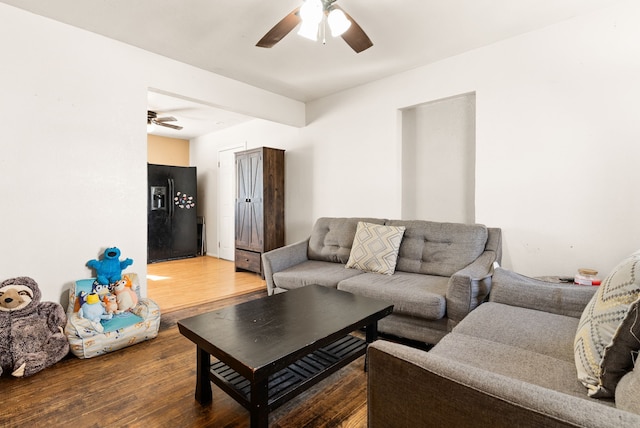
31,332
112,292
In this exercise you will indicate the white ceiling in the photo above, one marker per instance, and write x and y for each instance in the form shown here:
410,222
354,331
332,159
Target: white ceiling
195,118
220,36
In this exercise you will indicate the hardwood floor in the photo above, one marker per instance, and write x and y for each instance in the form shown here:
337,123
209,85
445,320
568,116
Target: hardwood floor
152,384
179,284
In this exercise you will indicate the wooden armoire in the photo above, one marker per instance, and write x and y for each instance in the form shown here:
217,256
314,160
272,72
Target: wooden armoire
259,206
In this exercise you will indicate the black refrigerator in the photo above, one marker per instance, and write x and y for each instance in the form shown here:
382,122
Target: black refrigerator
171,219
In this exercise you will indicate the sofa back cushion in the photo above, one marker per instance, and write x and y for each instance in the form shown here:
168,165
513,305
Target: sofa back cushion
332,237
435,248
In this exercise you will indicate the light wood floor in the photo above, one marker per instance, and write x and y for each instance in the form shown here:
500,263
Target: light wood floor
180,284
152,384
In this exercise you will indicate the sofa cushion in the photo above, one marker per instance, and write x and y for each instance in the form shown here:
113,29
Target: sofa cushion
600,321
375,248
411,294
522,328
414,328
313,272
511,361
332,237
435,248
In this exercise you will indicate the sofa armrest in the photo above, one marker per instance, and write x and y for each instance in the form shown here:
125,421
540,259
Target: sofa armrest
514,289
282,258
469,287
494,242
447,393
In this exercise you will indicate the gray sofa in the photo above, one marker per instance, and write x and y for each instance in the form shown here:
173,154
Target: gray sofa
443,271
509,363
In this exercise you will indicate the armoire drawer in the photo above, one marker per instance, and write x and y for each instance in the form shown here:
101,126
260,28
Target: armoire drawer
248,260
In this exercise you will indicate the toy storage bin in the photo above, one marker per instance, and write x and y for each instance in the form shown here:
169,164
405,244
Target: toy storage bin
125,329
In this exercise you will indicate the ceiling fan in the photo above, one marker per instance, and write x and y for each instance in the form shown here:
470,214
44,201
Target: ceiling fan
310,11
153,119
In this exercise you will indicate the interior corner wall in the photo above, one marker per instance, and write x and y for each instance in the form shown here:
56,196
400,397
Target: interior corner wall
556,143
74,147
409,144
167,151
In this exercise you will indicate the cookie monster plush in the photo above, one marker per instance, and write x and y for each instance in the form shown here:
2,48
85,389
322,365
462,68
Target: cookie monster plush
109,269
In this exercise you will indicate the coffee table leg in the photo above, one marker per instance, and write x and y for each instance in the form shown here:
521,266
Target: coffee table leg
259,406
203,383
371,335
372,332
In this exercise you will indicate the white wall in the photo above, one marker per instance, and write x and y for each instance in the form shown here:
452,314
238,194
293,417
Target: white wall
73,163
556,140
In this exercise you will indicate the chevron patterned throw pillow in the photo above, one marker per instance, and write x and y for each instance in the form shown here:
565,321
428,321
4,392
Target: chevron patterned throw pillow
606,333
375,248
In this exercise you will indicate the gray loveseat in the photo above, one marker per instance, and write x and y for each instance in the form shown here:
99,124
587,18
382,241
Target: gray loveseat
509,363
443,271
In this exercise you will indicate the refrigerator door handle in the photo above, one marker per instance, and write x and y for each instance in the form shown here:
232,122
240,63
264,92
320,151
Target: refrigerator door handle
171,196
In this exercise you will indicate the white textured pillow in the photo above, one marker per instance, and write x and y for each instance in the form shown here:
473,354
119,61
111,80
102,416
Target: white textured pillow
375,248
599,345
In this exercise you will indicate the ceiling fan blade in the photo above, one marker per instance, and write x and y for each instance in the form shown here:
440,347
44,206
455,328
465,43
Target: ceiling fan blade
166,119
355,35
280,30
167,125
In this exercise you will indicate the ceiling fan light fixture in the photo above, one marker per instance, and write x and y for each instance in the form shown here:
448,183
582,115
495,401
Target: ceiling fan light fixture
311,11
338,22
309,30
312,17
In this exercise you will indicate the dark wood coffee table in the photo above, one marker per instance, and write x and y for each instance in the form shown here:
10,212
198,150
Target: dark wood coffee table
269,350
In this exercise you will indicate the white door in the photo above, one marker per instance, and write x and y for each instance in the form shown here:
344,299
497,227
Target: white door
226,202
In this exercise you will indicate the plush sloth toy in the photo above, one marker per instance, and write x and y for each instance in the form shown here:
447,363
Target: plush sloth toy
31,332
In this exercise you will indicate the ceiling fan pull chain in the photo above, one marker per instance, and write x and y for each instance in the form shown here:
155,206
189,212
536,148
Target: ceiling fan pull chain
324,30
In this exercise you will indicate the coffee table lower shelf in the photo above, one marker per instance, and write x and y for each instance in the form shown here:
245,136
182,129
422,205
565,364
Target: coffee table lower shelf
292,380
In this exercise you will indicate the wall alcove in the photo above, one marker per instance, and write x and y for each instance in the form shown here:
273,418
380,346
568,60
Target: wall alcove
438,159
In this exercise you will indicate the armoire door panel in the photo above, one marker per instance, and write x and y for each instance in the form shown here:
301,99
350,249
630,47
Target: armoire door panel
243,224
257,227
